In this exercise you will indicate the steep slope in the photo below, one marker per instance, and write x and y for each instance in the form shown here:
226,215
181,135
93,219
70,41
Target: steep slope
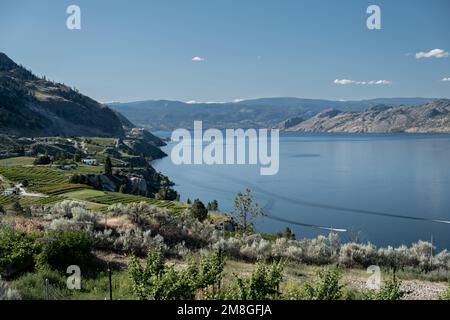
257,113
430,117
31,106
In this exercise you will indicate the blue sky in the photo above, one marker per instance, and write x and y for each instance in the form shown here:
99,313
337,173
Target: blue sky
137,50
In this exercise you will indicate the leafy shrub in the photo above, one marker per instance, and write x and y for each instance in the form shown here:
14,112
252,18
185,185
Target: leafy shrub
263,284
199,211
390,290
66,208
326,287
42,160
154,280
17,251
32,286
66,248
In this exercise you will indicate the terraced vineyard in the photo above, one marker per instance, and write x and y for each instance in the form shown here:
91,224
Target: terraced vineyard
62,188
109,198
7,199
38,177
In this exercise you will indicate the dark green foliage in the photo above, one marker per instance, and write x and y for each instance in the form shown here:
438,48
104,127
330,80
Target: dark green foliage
326,287
199,211
108,166
17,208
42,160
77,156
17,251
213,205
66,248
263,284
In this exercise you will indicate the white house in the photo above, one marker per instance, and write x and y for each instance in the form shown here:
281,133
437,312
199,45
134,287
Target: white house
9,192
91,162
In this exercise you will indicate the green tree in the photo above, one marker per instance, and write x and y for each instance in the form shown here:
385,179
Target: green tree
199,210
213,205
263,284
245,211
42,160
326,287
108,166
77,156
17,208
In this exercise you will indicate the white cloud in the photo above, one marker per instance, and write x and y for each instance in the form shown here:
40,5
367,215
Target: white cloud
198,59
435,53
343,81
446,79
371,82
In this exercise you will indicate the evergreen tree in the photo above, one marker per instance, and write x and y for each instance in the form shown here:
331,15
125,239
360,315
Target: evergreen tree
108,166
199,210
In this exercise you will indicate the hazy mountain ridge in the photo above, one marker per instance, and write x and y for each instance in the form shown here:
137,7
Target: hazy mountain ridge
32,106
256,113
433,117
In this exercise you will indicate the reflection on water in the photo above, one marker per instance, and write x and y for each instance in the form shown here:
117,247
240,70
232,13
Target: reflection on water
392,188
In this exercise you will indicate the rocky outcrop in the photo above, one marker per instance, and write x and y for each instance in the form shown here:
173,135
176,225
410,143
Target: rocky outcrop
431,117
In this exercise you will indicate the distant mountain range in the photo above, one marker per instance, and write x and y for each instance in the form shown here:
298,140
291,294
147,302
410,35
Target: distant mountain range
430,117
32,106
257,113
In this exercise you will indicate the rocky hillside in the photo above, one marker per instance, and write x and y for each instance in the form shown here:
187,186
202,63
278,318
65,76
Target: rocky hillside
32,106
430,117
257,113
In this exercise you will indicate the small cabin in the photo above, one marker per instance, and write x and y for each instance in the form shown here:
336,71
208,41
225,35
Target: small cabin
90,162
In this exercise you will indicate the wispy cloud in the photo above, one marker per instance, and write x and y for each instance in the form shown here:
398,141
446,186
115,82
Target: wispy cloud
198,59
435,53
371,82
446,79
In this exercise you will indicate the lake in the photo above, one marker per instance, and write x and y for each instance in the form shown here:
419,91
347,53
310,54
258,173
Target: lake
389,189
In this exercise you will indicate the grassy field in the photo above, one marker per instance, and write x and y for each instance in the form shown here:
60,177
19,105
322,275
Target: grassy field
18,161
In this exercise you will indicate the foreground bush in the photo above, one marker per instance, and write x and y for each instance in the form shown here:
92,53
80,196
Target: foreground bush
17,251
263,284
155,281
326,287
63,249
390,290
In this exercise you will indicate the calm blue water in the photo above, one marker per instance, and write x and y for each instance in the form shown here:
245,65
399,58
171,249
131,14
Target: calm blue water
360,182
